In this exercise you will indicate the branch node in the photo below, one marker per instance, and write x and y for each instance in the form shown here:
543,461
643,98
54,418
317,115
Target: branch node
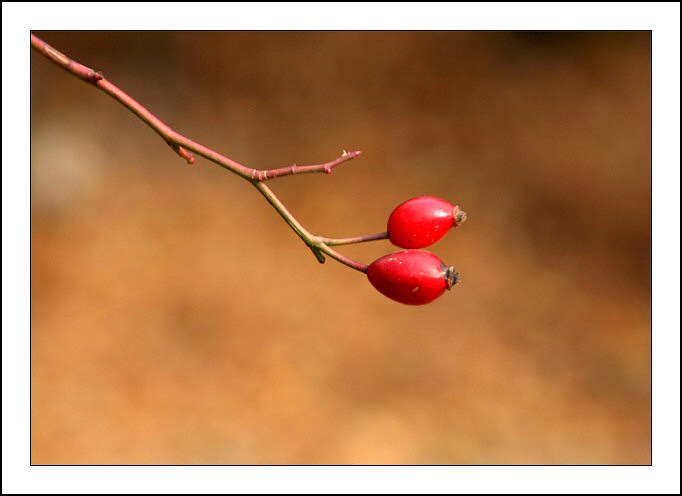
258,175
95,76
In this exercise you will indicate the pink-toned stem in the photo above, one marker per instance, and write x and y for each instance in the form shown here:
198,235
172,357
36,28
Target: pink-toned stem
184,147
343,259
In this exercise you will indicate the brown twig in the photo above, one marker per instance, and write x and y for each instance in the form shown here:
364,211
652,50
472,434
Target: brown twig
184,147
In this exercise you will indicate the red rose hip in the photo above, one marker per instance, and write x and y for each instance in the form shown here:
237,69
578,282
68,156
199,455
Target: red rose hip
421,221
413,277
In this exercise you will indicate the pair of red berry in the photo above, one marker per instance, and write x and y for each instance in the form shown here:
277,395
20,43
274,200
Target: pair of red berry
416,276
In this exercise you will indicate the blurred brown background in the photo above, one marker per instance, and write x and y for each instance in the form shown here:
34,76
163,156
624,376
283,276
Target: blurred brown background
177,319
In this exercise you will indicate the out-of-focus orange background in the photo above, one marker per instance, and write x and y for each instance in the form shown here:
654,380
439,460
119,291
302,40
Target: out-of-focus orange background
176,319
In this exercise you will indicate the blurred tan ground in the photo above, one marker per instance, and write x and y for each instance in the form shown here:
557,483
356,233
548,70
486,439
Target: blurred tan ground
176,318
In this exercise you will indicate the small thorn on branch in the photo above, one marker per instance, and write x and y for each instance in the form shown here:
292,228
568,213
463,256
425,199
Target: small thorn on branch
183,152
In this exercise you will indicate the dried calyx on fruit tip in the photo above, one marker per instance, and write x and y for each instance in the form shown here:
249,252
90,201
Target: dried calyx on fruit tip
460,215
452,277
422,221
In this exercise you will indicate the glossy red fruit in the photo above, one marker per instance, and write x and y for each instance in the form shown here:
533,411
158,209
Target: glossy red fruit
413,277
421,221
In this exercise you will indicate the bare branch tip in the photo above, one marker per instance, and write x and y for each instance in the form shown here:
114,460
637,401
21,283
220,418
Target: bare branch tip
351,155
